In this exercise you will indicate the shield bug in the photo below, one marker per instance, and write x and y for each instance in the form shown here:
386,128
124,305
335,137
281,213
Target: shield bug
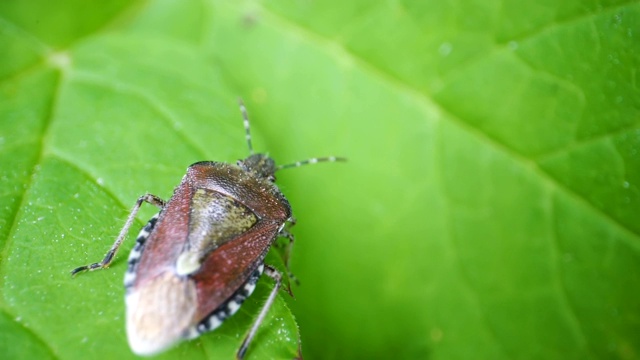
199,258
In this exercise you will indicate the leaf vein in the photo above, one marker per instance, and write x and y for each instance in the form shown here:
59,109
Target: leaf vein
33,334
472,292
571,19
43,138
574,321
340,52
586,141
155,104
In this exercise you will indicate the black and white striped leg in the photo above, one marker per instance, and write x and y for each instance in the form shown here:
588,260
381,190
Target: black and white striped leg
277,277
149,198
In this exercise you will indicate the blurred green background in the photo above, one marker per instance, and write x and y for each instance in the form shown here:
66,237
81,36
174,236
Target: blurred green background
489,208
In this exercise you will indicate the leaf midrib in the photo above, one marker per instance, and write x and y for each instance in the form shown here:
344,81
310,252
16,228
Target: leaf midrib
337,50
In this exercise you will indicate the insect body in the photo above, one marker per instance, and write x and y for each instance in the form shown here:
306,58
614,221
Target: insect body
199,258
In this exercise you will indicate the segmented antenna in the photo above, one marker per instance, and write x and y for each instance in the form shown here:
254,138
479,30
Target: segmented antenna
245,118
311,161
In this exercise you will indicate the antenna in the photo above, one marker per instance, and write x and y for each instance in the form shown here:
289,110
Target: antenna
245,118
247,129
312,161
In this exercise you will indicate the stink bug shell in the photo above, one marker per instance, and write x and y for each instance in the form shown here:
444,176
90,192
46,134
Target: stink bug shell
199,258
208,240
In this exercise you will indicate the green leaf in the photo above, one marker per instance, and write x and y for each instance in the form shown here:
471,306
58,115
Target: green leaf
85,131
488,208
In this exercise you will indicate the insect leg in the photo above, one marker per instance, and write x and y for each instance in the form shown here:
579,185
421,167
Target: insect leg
289,247
277,277
149,198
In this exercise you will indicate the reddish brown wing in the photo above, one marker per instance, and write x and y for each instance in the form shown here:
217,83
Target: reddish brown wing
166,241
228,267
